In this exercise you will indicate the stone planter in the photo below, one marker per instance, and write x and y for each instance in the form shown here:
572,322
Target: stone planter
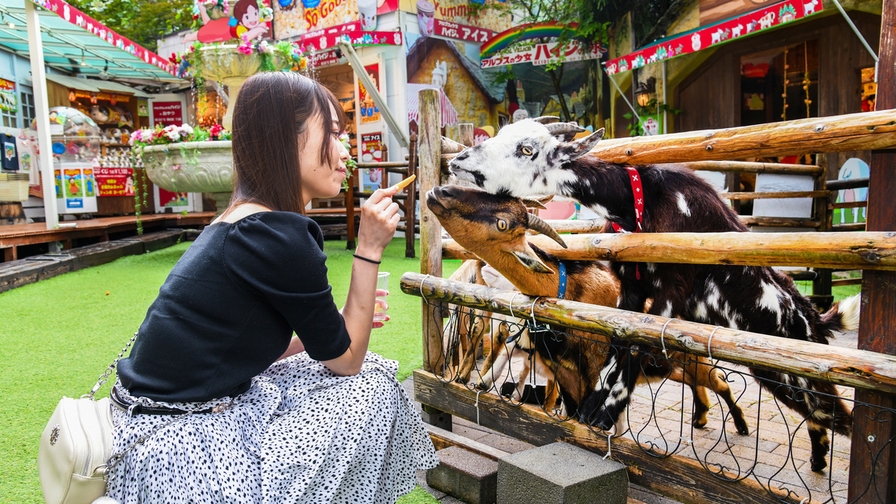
202,167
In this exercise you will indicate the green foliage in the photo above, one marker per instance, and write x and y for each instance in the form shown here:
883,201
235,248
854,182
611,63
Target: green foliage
653,107
143,21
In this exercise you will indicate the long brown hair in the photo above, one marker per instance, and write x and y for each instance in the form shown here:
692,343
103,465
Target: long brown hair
272,110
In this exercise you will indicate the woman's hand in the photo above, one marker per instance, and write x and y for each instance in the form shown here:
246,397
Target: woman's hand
379,220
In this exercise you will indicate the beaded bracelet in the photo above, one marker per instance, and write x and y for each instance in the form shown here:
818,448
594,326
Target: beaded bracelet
371,261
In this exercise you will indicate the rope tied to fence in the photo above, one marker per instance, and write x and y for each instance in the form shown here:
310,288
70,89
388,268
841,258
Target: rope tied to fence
511,303
532,311
709,343
663,338
421,286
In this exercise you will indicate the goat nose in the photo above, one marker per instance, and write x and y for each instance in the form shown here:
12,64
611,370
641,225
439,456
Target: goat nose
463,155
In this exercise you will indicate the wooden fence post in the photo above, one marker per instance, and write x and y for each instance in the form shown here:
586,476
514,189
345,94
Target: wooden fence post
466,134
429,154
872,466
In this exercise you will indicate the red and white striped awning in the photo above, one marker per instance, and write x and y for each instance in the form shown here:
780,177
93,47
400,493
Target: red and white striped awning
449,113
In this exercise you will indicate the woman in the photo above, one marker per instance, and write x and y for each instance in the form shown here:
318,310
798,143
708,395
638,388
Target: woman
233,408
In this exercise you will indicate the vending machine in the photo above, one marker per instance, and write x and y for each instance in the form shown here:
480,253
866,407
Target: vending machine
75,146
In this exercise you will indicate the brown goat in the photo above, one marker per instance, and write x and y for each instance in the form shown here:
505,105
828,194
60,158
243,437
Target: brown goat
494,228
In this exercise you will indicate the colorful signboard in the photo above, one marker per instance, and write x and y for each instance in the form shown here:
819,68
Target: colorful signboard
459,31
246,19
536,43
167,113
321,40
717,34
488,14
114,181
544,53
370,113
293,18
78,18
75,188
372,152
8,100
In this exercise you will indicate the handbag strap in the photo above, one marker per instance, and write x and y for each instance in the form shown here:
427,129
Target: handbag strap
111,368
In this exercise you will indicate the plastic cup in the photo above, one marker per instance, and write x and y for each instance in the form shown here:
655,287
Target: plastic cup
382,283
367,13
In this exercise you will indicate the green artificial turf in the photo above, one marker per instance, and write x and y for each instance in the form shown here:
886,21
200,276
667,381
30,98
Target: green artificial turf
59,334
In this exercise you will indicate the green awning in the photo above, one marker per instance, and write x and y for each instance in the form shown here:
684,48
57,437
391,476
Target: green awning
73,82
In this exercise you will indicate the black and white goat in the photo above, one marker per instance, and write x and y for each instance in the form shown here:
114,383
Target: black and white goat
494,227
535,158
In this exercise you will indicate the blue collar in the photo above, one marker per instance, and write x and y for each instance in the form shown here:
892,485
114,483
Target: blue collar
561,289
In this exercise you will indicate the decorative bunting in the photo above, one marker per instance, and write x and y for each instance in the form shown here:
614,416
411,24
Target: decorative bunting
78,18
716,34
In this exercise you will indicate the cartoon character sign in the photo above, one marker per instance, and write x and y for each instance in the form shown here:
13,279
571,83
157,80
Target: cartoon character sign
249,19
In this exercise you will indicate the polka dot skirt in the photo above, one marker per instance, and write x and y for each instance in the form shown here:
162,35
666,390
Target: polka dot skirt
300,434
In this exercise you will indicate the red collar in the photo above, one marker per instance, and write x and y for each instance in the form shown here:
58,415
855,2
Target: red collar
638,193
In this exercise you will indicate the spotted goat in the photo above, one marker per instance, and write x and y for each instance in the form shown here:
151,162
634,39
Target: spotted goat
537,157
494,227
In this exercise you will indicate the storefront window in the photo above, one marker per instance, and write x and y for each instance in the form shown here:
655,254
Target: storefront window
27,102
8,119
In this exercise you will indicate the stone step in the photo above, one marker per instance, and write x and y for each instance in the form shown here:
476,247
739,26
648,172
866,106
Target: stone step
465,475
560,473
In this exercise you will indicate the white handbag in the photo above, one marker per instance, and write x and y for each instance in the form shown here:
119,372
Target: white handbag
74,448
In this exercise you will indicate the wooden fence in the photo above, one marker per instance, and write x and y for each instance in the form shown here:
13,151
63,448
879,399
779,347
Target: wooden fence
672,475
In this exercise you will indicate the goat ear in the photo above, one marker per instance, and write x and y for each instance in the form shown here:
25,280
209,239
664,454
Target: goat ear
532,262
576,149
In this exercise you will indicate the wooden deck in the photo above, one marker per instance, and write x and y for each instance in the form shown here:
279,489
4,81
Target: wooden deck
82,232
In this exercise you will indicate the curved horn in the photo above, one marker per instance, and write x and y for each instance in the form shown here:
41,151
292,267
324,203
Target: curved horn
449,146
569,129
536,224
546,119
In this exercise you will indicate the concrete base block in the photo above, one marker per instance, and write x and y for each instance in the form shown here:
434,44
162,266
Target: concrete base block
560,473
470,477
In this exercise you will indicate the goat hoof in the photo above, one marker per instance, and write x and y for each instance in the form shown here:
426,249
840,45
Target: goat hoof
743,430
818,465
699,424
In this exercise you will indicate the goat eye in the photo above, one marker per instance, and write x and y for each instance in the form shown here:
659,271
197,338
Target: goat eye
502,225
526,150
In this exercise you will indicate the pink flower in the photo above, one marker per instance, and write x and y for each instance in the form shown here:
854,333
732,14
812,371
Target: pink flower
175,167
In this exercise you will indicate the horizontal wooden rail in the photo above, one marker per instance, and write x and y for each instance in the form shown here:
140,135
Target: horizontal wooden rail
836,185
774,195
848,132
835,250
753,167
842,366
577,226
